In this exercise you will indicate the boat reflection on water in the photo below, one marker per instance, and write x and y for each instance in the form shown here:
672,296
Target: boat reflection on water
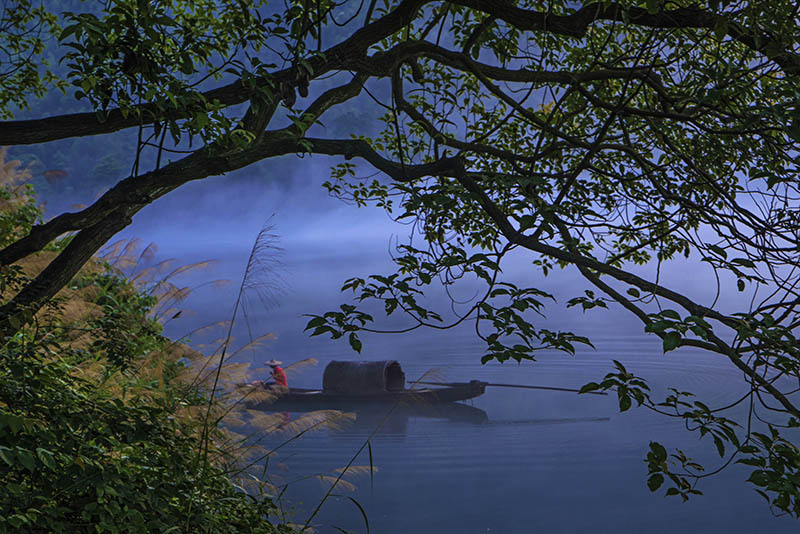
396,421
393,419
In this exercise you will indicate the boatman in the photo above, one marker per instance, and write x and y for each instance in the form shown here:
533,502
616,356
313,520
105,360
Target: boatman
278,382
277,373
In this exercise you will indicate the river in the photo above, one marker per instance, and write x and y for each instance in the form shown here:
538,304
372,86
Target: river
542,461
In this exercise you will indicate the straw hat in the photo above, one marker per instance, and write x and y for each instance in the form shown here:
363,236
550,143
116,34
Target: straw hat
273,363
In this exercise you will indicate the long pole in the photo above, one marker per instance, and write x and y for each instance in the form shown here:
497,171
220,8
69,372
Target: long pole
521,386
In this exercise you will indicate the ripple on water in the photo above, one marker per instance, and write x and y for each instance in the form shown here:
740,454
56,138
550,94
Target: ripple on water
540,457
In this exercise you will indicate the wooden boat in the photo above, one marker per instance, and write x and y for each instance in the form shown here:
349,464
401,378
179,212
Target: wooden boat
453,393
345,384
391,417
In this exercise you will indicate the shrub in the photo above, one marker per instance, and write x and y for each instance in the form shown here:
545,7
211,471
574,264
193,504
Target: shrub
100,430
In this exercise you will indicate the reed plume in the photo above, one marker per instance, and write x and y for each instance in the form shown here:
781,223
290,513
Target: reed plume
260,277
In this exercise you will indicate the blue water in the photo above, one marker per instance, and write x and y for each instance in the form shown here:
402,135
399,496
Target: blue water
543,462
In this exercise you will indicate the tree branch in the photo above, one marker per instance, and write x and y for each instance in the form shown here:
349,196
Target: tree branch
346,55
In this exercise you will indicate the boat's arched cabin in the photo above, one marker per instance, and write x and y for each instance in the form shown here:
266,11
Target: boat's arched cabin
359,378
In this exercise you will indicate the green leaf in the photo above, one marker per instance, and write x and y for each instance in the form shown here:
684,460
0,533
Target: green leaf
720,446
27,459
314,323
7,455
323,329
201,119
371,466
759,478
17,520
702,406
699,331
634,292
671,341
755,462
360,509
355,343
624,403
744,262
13,422
658,451
718,250
527,221
655,481
670,314
591,386
174,131
69,30
47,458
657,326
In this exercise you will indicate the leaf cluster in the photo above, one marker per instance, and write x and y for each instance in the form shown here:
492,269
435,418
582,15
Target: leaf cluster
99,426
78,457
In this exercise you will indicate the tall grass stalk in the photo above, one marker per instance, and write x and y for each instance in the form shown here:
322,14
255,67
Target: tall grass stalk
258,276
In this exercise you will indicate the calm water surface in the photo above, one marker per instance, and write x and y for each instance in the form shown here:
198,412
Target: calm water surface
542,462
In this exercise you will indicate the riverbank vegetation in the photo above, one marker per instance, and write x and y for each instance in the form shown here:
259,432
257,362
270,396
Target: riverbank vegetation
105,425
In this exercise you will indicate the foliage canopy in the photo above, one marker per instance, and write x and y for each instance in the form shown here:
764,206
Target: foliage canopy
607,136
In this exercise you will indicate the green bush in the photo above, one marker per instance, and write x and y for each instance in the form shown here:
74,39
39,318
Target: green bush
124,331
98,432
76,460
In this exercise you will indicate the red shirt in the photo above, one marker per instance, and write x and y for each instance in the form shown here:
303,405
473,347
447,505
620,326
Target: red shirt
279,376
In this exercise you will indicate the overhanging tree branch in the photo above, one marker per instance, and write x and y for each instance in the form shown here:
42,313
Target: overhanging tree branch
351,53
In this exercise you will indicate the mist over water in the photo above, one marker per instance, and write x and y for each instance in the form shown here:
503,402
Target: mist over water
543,462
